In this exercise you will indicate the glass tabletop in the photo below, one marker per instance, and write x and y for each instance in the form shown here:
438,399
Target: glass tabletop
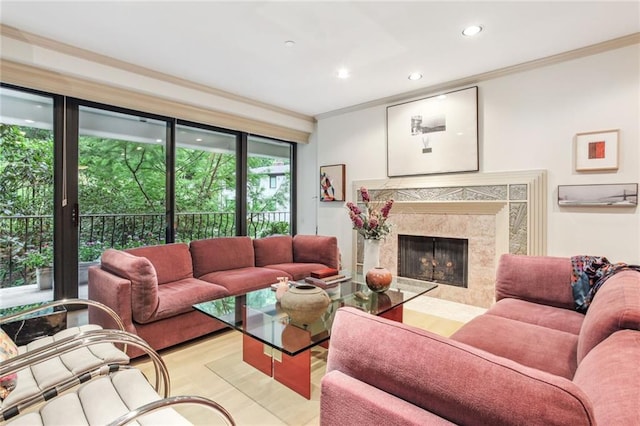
259,315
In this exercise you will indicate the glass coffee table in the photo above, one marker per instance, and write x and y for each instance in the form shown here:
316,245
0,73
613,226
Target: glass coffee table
282,349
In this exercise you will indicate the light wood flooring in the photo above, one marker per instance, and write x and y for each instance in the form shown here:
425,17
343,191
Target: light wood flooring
191,367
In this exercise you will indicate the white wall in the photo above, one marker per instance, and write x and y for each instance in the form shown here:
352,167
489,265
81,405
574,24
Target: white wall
527,121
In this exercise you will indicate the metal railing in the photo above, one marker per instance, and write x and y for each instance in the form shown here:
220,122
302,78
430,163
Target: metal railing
22,237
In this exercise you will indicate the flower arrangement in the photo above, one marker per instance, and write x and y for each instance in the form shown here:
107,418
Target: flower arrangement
371,222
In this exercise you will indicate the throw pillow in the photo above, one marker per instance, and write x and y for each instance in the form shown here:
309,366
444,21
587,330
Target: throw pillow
8,350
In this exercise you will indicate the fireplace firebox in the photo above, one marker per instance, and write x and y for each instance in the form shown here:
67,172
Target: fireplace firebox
436,259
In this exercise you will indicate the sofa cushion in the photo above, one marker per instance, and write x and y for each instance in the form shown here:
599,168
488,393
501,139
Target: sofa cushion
610,374
538,347
316,249
180,296
243,280
539,279
535,313
274,249
144,281
616,306
171,261
221,254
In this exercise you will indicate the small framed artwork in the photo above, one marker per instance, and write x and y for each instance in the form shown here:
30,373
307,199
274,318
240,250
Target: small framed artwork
596,151
434,135
332,183
610,195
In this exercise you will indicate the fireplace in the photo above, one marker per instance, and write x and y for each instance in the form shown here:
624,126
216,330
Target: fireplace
502,212
437,259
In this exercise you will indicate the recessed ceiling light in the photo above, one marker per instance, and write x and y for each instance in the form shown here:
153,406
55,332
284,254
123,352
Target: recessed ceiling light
343,73
198,139
289,43
28,121
441,97
471,30
415,76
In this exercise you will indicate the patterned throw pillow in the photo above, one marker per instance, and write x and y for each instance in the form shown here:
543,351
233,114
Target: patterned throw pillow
8,349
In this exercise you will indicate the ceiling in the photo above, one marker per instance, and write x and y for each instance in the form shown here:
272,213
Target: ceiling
239,47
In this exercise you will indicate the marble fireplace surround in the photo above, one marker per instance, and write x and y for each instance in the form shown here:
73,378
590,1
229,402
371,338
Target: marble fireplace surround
501,212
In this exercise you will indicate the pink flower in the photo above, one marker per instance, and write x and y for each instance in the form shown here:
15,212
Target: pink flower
370,222
357,220
355,209
386,209
365,194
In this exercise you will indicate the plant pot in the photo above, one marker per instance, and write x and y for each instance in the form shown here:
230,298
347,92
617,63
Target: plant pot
305,304
83,271
44,278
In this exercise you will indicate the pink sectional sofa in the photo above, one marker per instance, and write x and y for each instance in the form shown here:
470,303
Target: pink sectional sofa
153,288
530,359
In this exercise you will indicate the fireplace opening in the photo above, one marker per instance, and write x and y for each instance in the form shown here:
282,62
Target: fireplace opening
436,259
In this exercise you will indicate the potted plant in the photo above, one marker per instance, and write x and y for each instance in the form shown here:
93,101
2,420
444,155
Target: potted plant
42,262
89,253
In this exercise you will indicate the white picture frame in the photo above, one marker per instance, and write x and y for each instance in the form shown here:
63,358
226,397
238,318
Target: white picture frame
434,135
596,151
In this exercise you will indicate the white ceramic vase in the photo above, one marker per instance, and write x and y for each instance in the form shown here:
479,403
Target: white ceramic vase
371,255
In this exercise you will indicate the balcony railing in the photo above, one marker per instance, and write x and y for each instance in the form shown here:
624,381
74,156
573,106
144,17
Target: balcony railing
23,236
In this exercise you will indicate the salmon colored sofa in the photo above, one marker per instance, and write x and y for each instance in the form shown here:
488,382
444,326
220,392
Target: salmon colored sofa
531,359
153,288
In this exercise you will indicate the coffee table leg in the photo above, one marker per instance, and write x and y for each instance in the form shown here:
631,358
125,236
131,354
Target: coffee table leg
253,354
395,314
294,372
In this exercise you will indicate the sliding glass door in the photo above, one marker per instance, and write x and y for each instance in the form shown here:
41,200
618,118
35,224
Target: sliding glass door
121,182
205,183
26,197
269,187
77,178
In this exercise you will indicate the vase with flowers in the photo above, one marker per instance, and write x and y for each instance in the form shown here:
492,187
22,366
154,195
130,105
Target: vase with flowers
371,223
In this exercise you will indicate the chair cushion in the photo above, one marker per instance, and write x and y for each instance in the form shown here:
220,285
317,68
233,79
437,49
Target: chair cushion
171,261
535,313
8,350
101,401
40,377
538,347
143,277
273,250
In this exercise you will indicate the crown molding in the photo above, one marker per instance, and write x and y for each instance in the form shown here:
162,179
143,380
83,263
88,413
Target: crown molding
53,82
594,49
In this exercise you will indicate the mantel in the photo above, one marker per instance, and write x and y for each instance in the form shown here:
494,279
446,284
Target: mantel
523,193
448,207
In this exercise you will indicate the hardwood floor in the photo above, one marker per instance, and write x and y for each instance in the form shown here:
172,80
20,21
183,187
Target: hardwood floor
189,367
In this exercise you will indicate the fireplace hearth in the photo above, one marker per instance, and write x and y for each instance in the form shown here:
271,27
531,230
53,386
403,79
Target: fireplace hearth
436,259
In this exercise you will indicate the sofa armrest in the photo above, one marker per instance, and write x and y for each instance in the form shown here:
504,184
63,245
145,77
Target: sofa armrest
114,292
450,379
539,279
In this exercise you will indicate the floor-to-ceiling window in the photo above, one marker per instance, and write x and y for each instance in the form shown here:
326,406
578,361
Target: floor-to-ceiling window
205,183
269,187
26,193
121,183
125,178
